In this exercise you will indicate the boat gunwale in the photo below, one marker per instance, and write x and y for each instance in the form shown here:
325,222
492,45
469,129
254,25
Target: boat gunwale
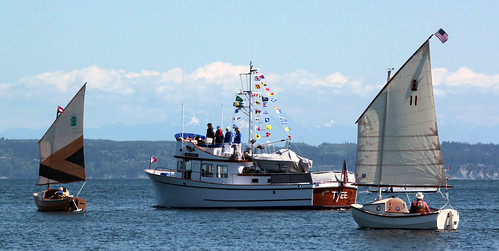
223,158
398,215
225,184
206,159
406,186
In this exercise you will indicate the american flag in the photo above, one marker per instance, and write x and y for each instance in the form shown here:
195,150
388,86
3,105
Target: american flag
345,172
442,35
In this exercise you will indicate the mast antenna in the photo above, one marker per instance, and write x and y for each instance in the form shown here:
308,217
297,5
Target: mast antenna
389,74
390,69
183,69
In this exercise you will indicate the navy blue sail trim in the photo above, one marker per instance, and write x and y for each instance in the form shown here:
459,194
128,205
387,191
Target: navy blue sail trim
77,158
61,177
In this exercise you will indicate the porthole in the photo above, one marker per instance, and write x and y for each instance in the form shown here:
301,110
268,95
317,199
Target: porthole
378,208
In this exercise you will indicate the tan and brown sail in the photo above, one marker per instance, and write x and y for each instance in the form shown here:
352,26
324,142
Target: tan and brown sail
61,148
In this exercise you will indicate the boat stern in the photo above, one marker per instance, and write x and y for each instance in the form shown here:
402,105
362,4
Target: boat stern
448,219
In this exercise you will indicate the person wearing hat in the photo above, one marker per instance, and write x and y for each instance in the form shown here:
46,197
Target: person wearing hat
58,194
227,139
237,140
65,192
210,134
228,136
237,136
219,135
419,206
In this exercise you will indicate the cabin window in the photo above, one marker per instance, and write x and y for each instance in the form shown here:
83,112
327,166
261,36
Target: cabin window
254,180
222,171
207,170
180,165
195,167
184,167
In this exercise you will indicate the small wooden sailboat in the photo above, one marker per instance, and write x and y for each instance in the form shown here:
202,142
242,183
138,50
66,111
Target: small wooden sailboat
62,159
398,147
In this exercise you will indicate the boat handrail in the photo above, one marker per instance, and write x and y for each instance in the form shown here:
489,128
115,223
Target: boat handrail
214,175
188,136
272,143
239,146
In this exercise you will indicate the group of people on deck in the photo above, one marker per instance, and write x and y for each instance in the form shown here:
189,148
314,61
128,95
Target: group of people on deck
219,137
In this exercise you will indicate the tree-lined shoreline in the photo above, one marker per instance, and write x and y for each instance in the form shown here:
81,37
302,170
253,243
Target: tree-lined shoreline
108,159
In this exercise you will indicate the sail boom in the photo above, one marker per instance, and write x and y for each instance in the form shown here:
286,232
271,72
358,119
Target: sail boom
405,186
395,165
404,150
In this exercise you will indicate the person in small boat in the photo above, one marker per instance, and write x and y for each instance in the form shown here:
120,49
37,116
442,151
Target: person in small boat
65,192
219,136
60,193
419,206
210,134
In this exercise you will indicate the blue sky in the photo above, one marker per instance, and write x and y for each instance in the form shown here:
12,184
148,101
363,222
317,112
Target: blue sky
326,61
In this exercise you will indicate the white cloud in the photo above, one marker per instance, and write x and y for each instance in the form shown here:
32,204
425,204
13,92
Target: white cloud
217,72
330,123
193,121
174,75
465,79
338,79
335,83
143,73
130,98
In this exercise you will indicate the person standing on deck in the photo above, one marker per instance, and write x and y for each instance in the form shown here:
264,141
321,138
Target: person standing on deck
237,137
237,140
210,134
219,136
227,139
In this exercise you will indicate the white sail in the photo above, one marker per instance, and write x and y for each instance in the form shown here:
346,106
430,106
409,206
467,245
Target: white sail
398,140
61,148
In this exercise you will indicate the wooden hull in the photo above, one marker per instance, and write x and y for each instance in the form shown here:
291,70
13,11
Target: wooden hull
66,204
445,219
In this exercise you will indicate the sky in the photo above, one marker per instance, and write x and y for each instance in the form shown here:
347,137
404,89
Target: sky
326,60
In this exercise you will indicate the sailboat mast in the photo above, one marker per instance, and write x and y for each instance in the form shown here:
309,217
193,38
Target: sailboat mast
222,113
182,96
383,138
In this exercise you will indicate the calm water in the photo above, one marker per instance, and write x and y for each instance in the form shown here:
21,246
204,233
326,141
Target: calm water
121,215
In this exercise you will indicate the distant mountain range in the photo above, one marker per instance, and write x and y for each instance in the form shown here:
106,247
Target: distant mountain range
107,159
314,135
